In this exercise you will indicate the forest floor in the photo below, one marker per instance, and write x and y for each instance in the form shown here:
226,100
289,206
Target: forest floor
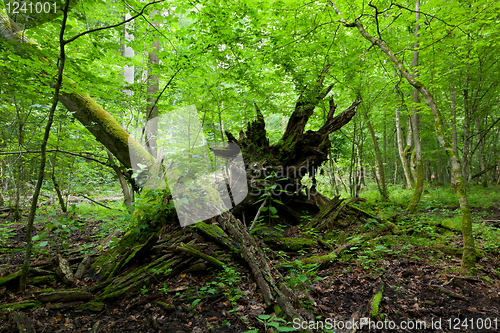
422,290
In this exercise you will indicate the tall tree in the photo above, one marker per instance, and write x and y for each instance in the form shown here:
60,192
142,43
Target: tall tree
469,254
419,180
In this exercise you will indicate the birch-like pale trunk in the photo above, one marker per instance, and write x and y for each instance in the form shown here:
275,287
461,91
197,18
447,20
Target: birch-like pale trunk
419,179
454,135
403,154
379,163
469,254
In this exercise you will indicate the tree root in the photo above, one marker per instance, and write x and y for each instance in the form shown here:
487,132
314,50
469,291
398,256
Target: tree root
325,260
450,293
211,260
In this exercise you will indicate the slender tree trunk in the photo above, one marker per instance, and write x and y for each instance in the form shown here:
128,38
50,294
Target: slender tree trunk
454,135
127,195
481,146
403,153
31,218
379,164
467,124
60,197
419,179
153,85
469,254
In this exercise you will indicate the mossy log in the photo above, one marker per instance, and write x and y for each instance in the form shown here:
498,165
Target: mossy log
292,244
91,306
211,260
64,296
41,280
11,280
327,259
20,305
133,280
269,280
450,293
375,300
457,252
217,234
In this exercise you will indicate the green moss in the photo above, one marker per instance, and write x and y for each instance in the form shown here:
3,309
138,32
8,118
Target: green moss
320,259
376,303
452,224
292,244
166,306
487,279
210,229
20,305
455,251
10,280
47,279
91,306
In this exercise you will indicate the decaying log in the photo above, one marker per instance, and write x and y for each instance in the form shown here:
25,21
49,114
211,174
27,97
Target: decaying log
5,209
82,268
133,280
450,293
61,306
269,280
374,303
38,271
211,260
65,296
327,259
64,272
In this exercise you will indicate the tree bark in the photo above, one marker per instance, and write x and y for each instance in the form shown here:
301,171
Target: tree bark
153,85
380,168
419,179
403,153
454,135
41,172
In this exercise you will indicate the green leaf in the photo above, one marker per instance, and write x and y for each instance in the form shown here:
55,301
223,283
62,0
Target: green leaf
273,324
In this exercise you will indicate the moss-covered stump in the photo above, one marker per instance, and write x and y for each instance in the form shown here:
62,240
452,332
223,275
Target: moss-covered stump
292,244
20,305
